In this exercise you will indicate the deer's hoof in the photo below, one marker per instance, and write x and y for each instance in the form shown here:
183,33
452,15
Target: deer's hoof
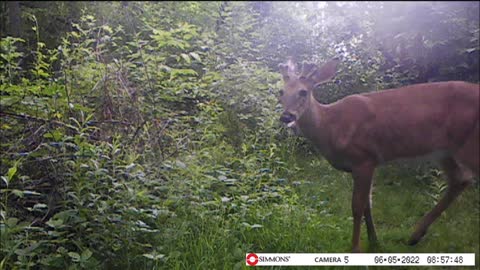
415,238
413,242
356,250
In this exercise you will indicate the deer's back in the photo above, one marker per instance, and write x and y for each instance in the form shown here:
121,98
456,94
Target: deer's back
409,121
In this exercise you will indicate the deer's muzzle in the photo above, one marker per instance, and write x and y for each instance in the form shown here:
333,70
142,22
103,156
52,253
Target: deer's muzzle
288,118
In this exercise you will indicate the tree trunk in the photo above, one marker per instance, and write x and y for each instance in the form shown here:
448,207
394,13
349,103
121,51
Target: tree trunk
14,24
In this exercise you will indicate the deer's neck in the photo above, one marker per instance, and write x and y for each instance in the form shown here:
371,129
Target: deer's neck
317,124
312,121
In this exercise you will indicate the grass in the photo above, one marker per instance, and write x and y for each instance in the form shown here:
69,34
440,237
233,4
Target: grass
318,220
219,204
399,201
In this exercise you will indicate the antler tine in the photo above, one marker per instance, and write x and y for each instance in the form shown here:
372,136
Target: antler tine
287,70
291,65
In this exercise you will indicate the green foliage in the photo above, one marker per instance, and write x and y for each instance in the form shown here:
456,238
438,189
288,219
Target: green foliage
9,65
144,135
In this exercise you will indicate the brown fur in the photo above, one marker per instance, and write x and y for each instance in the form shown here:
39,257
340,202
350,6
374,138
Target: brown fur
361,132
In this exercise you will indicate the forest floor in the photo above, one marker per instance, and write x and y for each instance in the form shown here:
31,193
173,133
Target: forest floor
319,219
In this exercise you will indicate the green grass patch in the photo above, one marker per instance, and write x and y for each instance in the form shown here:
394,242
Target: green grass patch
316,218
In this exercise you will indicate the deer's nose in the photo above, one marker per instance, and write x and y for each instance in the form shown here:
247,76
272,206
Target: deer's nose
287,117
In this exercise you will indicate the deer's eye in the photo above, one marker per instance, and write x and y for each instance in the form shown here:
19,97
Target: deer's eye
302,93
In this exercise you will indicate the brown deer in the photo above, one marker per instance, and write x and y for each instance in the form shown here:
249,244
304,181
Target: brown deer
360,132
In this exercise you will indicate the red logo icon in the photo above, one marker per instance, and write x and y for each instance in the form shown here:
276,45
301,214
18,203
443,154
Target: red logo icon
252,259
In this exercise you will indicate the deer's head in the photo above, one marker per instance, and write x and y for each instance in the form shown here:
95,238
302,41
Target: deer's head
299,86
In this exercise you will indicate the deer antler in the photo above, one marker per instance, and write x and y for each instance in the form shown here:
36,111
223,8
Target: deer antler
288,69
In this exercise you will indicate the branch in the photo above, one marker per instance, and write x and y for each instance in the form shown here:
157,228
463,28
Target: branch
36,119
56,122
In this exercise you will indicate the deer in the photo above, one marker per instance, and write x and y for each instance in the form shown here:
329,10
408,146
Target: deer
361,132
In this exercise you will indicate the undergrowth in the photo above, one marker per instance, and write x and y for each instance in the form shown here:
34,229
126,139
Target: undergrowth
152,149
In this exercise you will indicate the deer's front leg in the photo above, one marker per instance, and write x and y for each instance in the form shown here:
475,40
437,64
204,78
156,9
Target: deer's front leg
362,182
372,234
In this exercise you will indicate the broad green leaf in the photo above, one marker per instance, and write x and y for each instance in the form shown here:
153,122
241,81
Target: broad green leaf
196,56
54,223
153,256
40,206
6,101
28,250
17,193
186,58
75,256
11,222
107,29
86,254
183,72
11,173
180,164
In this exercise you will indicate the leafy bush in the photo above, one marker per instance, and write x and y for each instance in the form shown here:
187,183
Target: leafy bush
142,135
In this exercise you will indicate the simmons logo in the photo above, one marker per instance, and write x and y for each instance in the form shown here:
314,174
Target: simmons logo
253,259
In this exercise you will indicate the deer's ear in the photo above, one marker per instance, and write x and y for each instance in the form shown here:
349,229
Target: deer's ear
324,73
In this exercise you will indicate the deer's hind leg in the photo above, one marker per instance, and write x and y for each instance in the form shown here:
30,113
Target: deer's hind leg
469,153
458,177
